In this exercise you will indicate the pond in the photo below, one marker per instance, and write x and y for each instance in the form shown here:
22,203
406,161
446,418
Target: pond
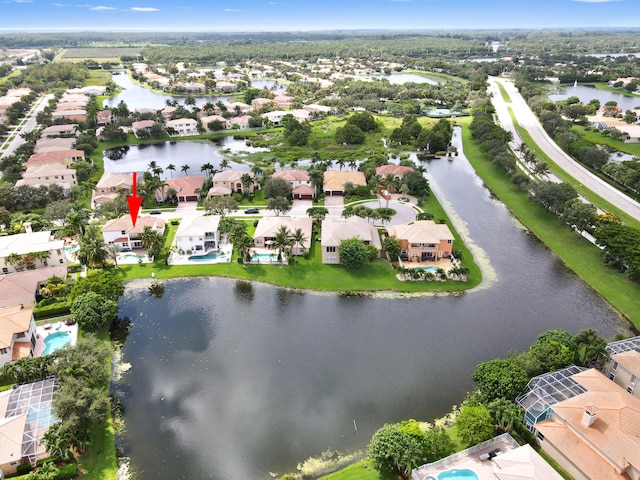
586,93
231,379
136,158
136,96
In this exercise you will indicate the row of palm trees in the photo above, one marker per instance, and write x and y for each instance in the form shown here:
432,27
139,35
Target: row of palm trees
455,273
28,261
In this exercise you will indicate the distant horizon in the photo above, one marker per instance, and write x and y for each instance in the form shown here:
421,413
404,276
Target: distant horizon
250,16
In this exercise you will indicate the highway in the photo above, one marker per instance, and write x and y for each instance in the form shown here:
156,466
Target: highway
529,122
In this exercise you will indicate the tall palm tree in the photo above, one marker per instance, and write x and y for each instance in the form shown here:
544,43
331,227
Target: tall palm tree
590,346
158,171
282,240
113,249
207,168
151,240
172,168
298,238
92,249
185,169
152,165
224,164
246,181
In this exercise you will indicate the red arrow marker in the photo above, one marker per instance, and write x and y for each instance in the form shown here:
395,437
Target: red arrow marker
134,202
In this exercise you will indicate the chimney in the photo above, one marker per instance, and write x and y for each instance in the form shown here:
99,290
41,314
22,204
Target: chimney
589,416
27,227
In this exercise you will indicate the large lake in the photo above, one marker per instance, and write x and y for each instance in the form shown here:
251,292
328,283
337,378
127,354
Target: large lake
231,380
587,93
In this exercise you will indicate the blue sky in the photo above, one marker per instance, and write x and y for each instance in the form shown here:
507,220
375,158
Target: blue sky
295,15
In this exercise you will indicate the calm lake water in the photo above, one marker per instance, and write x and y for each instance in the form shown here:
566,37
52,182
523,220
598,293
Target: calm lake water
136,96
587,93
136,158
234,380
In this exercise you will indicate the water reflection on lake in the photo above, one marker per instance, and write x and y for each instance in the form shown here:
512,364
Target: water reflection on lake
233,380
587,93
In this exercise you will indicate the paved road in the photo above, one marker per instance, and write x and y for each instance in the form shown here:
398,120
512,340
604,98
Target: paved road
528,120
27,124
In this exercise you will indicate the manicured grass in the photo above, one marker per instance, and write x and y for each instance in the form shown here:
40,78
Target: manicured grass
578,254
600,139
503,92
565,177
603,86
358,471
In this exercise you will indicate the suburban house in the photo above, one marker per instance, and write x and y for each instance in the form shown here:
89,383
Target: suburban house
76,115
294,177
232,179
334,181
110,186
187,188
624,369
241,122
226,87
198,234
182,127
26,413
335,230
54,144
275,117
167,111
104,117
17,333
29,251
210,118
258,103
70,129
49,175
60,157
142,127
268,227
121,231
396,170
594,434
24,287
303,192
283,101
300,114
317,110
195,87
423,240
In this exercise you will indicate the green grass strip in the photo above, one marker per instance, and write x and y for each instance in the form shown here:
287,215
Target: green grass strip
577,253
565,177
503,92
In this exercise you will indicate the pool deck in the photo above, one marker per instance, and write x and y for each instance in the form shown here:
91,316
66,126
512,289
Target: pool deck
226,249
484,469
445,263
47,329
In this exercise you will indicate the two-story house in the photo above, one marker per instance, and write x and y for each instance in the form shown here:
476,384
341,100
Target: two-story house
198,234
423,240
122,232
335,230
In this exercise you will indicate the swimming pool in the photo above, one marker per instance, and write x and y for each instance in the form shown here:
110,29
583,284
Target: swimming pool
458,475
427,269
132,256
56,341
206,258
264,257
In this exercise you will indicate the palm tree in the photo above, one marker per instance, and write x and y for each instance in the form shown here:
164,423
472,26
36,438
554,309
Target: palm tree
92,249
158,171
185,169
152,166
341,163
224,164
590,346
282,240
298,238
246,181
151,240
257,170
207,168
113,249
42,256
13,259
172,168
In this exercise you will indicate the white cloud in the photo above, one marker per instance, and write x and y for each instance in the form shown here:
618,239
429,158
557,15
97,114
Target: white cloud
102,8
144,9
24,1
232,10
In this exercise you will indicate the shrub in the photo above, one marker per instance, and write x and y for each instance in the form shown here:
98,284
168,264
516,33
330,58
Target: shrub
174,221
74,268
54,310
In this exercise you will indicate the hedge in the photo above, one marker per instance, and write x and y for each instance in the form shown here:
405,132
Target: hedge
74,268
70,470
54,310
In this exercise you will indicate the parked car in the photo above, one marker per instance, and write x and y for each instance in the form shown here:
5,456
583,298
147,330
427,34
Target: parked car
252,210
155,212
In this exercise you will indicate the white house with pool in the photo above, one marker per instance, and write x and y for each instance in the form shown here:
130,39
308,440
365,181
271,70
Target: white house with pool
198,234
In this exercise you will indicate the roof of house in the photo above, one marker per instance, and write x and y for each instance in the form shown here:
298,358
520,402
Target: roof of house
395,170
523,463
115,179
55,144
124,223
421,231
230,176
629,360
197,226
335,230
181,121
20,287
210,118
47,170
241,120
219,190
304,189
23,243
11,437
268,226
335,180
185,186
57,129
56,156
13,320
614,435
142,124
292,175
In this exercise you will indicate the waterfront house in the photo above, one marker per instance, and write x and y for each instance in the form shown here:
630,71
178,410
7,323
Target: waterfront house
334,181
142,128
268,227
30,250
232,179
120,231
198,234
187,188
182,127
335,230
423,240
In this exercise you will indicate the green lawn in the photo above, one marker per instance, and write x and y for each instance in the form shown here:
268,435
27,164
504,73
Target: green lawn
578,254
503,92
358,471
600,139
